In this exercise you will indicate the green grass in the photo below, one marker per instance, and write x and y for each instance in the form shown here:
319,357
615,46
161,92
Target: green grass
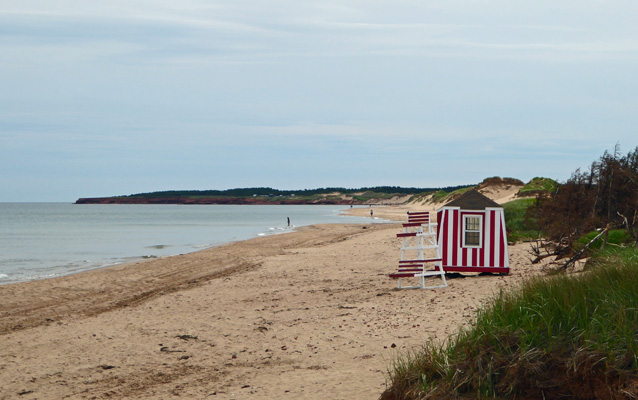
460,191
440,196
616,237
553,337
379,196
518,227
418,198
538,185
443,196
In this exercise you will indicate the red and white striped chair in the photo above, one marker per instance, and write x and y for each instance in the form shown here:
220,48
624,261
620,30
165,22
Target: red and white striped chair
418,236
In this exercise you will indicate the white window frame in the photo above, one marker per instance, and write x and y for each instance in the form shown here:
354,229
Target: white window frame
480,230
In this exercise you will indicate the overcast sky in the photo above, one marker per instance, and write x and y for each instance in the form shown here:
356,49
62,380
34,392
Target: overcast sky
115,97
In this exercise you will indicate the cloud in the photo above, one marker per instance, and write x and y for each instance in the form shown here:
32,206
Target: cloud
257,32
343,92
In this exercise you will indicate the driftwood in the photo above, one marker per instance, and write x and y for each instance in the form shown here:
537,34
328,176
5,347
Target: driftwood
579,253
541,257
543,249
540,251
631,230
624,218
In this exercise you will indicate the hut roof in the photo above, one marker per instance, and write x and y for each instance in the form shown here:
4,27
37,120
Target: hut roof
473,200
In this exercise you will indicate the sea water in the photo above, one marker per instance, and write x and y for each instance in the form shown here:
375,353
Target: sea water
44,240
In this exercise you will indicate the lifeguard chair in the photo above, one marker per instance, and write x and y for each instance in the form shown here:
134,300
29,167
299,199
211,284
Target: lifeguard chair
419,234
471,236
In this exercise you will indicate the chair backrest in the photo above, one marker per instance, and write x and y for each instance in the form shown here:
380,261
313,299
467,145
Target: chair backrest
418,217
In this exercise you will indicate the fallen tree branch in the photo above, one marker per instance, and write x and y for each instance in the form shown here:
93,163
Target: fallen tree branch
541,257
544,249
630,229
625,218
578,254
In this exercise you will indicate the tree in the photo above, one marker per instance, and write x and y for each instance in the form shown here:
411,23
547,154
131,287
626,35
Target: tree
607,193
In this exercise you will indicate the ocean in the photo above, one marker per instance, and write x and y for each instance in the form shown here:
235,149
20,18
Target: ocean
45,240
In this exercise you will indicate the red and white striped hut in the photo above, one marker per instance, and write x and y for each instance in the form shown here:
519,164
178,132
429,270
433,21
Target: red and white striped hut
471,235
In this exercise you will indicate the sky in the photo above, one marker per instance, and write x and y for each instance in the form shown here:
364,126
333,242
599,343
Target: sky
101,98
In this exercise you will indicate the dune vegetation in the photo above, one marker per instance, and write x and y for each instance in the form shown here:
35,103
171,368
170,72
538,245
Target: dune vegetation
553,337
567,335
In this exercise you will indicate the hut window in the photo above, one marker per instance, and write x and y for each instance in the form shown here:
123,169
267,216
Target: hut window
472,225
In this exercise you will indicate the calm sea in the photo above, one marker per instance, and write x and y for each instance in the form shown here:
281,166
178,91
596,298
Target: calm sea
44,240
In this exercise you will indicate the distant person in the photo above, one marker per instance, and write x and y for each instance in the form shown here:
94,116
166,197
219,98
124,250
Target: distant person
288,222
371,213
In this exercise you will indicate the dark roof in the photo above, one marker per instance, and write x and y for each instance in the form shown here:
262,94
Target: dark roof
472,200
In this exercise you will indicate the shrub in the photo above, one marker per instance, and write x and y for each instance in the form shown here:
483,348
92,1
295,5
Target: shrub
518,223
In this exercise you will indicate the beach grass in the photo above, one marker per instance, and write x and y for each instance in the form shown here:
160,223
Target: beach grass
519,225
615,238
369,195
539,185
552,337
441,196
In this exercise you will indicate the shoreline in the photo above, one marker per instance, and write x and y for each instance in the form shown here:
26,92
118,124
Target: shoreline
81,259
170,266
307,315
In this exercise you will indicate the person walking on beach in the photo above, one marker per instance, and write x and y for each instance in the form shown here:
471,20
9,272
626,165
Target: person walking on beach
371,213
288,222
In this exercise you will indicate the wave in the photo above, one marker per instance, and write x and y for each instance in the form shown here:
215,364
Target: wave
158,246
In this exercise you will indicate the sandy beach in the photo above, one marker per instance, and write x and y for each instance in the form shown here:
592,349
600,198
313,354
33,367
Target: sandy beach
306,315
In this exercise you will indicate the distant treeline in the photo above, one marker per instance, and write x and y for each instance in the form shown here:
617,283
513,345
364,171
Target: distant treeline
266,191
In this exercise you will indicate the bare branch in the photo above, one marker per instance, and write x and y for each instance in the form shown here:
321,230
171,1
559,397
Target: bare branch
578,254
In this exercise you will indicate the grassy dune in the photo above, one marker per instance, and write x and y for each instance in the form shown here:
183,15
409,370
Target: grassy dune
553,337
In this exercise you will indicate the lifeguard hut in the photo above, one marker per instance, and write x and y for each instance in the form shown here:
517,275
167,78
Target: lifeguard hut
470,236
